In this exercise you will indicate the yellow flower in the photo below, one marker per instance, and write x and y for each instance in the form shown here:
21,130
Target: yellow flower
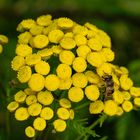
52,82
137,102
21,114
83,50
13,106
124,70
39,124
36,82
44,20
34,109
55,36
45,53
78,29
75,94
23,50
29,91
45,97
17,62
57,49
118,97
64,71
30,132
119,111
79,80
126,95
65,23
24,74
126,83
69,34
96,107
65,84
31,99
67,43
42,67
59,125
47,113
135,91
65,103
110,107
79,64
24,38
40,41
108,54
95,44
80,40
3,39
92,77
20,96
36,30
91,26
63,113
127,106
95,59
71,114
66,57
32,59
92,92
1,48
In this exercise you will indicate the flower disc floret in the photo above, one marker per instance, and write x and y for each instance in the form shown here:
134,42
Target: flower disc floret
20,96
36,30
59,125
80,40
3,39
65,103
30,132
137,102
127,106
44,20
63,113
13,106
31,99
118,97
135,91
65,84
36,82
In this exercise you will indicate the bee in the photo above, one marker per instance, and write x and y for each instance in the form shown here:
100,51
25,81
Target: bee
109,86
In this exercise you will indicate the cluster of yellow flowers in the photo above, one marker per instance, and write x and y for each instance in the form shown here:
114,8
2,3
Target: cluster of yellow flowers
63,63
3,41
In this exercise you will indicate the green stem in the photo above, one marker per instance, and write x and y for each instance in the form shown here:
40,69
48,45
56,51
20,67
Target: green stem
82,106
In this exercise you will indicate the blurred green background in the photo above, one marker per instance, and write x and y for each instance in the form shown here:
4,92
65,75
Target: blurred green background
119,18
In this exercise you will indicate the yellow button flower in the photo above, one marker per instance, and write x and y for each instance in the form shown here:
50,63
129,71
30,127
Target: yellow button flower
118,97
63,113
79,80
32,59
69,34
23,50
78,29
67,43
126,95
42,67
45,53
66,57
36,30
110,107
55,36
59,125
31,99
75,94
137,102
92,77
65,23
72,114
24,74
80,40
126,83
95,59
64,71
91,26
47,113
92,92
29,91
36,82
17,62
79,64
30,132
52,82
3,39
119,111
95,44
65,84
96,107
45,97
44,20
20,96
65,103
83,50
135,91
13,106
34,109
21,114
56,49
127,106
39,124
24,38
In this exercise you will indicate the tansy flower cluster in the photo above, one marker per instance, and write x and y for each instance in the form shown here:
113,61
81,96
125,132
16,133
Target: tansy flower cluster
3,41
61,63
